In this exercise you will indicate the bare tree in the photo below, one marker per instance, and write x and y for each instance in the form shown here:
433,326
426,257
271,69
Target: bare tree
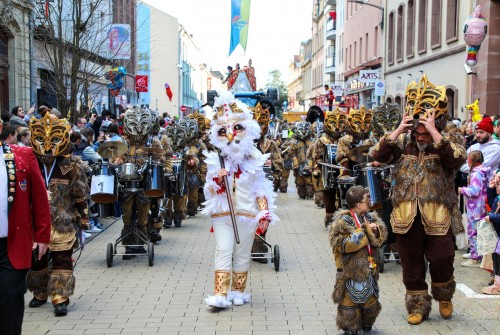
71,51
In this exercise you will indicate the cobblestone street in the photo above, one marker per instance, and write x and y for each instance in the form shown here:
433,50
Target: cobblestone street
167,298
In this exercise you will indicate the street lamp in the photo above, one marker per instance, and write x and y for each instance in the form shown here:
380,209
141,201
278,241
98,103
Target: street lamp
365,2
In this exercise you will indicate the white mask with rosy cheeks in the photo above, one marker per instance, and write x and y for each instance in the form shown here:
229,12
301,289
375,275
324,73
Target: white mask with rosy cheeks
233,129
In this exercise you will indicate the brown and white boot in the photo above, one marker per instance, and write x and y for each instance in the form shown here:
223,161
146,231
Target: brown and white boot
418,304
493,289
219,299
443,293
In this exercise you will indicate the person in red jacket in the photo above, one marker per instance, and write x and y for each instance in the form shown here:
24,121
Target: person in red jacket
22,232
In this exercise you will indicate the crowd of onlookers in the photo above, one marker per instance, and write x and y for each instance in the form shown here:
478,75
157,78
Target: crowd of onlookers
87,133
478,183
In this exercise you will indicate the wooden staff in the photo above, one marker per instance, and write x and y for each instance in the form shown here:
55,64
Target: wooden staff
229,201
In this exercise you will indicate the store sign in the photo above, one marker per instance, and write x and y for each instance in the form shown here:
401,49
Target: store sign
379,88
356,85
369,76
338,90
141,83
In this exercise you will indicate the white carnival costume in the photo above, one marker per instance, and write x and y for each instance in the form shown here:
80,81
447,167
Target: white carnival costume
233,132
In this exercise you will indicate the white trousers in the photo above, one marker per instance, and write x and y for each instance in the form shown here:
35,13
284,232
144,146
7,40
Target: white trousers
227,251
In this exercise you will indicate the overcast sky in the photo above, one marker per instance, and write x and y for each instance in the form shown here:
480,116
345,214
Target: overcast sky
275,31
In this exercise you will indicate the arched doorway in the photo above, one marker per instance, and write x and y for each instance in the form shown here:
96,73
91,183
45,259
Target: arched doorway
450,96
4,71
388,100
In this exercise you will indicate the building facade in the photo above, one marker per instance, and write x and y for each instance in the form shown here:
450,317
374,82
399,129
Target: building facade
361,50
16,87
426,37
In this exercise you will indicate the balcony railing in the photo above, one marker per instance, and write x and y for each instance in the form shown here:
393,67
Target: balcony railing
330,65
331,29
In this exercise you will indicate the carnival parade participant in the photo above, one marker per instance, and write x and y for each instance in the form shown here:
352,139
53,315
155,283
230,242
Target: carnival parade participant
283,142
316,118
175,200
302,140
424,200
67,189
334,126
386,119
262,115
355,237
242,178
359,123
22,187
138,124
203,128
196,166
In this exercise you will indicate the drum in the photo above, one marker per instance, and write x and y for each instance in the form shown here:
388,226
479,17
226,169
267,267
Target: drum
132,185
154,187
175,182
344,184
104,184
128,171
329,174
373,179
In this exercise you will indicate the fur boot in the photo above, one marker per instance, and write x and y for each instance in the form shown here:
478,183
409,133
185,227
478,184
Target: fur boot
318,199
443,291
349,318
309,191
418,306
61,284
37,282
283,186
301,191
328,219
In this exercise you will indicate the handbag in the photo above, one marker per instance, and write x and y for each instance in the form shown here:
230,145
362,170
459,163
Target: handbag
486,238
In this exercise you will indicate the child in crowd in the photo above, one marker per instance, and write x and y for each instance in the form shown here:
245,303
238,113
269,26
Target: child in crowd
494,218
475,192
355,237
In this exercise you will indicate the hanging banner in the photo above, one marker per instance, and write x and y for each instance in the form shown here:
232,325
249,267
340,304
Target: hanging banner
240,17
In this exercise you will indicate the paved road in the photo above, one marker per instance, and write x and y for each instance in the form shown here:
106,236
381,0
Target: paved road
133,298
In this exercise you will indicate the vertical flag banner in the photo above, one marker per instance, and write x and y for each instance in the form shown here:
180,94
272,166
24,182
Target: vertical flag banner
240,16
168,91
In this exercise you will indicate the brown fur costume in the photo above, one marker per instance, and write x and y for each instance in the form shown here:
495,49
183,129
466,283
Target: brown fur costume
351,259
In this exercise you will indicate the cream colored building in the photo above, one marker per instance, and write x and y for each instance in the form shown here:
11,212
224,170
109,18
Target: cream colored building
426,37
15,86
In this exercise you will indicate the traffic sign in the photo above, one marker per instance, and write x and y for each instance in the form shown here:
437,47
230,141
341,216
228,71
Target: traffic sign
183,109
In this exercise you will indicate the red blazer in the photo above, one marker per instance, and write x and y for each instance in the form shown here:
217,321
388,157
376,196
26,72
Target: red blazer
29,210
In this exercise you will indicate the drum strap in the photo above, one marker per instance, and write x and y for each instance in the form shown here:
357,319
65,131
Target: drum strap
368,247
